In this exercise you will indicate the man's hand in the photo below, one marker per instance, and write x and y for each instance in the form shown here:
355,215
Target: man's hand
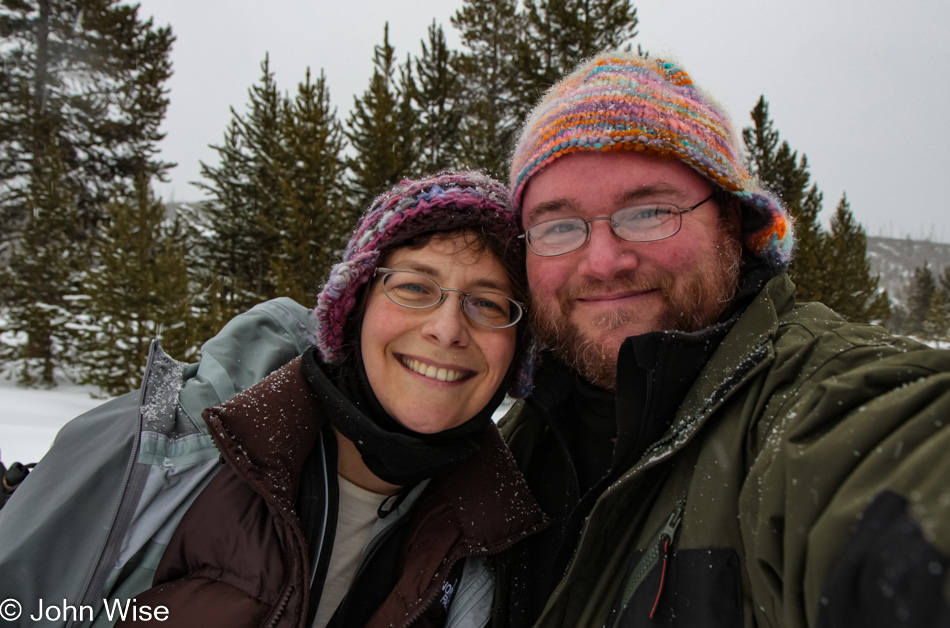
15,474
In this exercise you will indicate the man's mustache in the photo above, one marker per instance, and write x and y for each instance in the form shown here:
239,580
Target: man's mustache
619,284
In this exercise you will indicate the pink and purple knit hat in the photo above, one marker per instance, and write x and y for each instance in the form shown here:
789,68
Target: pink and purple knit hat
622,101
444,202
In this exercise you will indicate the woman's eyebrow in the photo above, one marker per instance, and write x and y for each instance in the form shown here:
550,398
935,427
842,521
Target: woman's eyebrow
488,284
419,267
481,283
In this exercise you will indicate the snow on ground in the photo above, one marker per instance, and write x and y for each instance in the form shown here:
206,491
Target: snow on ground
30,419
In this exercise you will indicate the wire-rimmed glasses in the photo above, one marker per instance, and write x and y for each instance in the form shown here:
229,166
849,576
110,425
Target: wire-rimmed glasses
640,223
418,291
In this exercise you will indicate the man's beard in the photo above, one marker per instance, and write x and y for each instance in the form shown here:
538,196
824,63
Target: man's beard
691,301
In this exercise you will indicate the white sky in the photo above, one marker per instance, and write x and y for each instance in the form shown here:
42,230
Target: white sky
860,86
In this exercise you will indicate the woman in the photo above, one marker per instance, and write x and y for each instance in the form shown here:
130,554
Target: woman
358,478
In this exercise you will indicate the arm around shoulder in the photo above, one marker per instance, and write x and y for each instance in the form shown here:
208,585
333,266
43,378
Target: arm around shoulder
55,523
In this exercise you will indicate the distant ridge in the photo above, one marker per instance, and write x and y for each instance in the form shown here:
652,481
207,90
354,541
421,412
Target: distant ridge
895,259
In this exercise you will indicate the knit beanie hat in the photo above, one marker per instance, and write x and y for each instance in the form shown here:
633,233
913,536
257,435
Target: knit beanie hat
622,101
444,202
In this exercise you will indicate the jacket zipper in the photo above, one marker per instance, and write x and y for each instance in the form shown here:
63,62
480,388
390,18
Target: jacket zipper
660,548
673,435
281,607
99,573
665,543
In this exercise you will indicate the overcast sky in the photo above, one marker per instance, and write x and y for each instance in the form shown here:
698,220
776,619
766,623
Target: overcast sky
860,86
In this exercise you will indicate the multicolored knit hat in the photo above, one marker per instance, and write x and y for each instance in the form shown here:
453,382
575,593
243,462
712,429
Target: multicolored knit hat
443,202
622,101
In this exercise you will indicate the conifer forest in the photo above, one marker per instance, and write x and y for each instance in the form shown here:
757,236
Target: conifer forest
93,266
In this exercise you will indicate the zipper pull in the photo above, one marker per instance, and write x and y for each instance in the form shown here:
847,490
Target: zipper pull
665,542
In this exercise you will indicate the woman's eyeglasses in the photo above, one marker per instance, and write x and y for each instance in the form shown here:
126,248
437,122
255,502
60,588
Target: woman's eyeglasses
417,291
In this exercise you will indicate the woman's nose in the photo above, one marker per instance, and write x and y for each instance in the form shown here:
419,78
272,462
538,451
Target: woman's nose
447,322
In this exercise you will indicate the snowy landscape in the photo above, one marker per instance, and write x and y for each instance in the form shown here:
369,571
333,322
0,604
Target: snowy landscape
30,418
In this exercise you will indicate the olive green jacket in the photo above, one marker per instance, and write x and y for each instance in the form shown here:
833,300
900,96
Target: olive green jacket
805,481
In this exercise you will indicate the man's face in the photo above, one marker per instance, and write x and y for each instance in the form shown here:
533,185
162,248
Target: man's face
586,302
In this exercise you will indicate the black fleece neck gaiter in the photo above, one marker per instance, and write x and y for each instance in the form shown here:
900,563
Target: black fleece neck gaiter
394,453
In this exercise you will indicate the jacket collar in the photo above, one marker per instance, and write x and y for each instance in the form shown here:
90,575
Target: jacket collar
267,431
746,350
490,498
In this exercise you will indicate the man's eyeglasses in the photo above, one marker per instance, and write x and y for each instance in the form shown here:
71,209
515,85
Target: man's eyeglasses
640,223
417,291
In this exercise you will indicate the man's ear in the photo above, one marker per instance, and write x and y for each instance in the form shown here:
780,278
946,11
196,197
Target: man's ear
730,213
734,217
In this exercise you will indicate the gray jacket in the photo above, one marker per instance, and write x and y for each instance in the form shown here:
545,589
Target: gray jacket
91,522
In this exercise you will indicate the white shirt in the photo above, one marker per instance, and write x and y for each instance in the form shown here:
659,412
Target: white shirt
357,515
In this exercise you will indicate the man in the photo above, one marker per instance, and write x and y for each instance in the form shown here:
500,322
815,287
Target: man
711,453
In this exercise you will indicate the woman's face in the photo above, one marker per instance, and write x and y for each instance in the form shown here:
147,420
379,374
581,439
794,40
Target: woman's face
404,349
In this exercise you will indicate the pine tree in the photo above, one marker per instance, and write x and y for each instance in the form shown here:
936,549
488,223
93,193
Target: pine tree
41,277
246,201
408,125
494,47
847,285
86,77
82,95
852,290
511,57
439,102
945,285
138,292
316,222
564,32
897,322
374,130
919,296
779,168
936,325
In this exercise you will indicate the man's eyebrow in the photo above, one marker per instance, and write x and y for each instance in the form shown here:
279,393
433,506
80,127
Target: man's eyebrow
657,192
550,206
478,285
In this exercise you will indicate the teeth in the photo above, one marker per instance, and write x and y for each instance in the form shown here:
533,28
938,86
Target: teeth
441,374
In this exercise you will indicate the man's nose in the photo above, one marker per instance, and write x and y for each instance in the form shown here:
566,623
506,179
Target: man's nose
606,254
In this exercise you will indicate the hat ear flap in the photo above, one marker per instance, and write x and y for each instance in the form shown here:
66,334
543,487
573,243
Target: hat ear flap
338,298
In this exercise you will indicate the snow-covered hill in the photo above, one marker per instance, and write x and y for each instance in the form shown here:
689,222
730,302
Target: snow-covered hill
895,259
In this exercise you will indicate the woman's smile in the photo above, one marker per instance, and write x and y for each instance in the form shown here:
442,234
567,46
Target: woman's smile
433,371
